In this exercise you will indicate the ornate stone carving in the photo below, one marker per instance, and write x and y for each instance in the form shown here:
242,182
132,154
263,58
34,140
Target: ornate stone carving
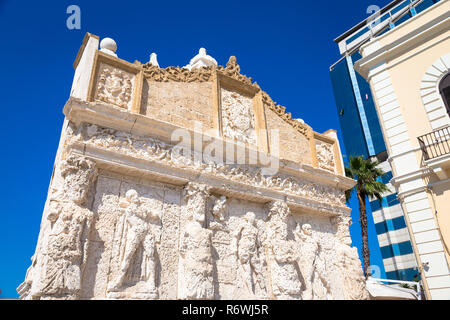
325,156
238,119
349,265
138,228
342,224
219,213
114,86
311,264
155,150
203,74
282,254
132,231
178,74
67,252
195,278
25,288
79,173
246,246
233,70
353,279
57,268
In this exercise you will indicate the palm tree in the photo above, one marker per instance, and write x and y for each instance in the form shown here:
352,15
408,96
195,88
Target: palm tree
366,173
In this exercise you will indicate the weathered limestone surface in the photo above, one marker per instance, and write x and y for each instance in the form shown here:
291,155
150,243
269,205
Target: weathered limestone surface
298,151
180,103
129,216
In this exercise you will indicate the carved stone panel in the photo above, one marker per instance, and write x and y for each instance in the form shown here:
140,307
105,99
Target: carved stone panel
148,240
114,86
325,155
238,119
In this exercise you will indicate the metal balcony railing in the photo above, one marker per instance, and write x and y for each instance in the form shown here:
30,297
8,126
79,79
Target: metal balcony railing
435,144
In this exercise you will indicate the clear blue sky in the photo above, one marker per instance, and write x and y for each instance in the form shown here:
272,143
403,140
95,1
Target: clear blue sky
286,46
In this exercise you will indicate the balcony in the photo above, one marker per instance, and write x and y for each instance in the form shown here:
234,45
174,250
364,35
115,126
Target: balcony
435,148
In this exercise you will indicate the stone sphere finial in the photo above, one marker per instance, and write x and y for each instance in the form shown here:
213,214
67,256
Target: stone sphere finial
202,51
109,46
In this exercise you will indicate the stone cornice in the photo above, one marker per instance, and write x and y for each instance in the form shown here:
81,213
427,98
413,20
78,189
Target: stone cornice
109,116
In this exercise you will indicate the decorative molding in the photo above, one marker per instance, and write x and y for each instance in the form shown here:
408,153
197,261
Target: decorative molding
429,92
155,150
237,116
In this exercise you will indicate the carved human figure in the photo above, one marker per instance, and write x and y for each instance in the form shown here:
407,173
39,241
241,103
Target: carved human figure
70,224
245,246
67,253
325,156
219,213
354,283
138,219
282,254
310,262
196,265
25,288
219,209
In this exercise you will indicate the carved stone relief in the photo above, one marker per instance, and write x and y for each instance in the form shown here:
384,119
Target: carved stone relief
156,241
57,269
247,248
353,281
311,263
325,156
195,277
138,227
109,233
114,86
152,149
282,254
238,120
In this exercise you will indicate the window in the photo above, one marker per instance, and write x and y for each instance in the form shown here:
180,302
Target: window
444,89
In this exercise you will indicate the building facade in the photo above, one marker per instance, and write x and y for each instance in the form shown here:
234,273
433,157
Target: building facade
408,71
363,135
189,183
